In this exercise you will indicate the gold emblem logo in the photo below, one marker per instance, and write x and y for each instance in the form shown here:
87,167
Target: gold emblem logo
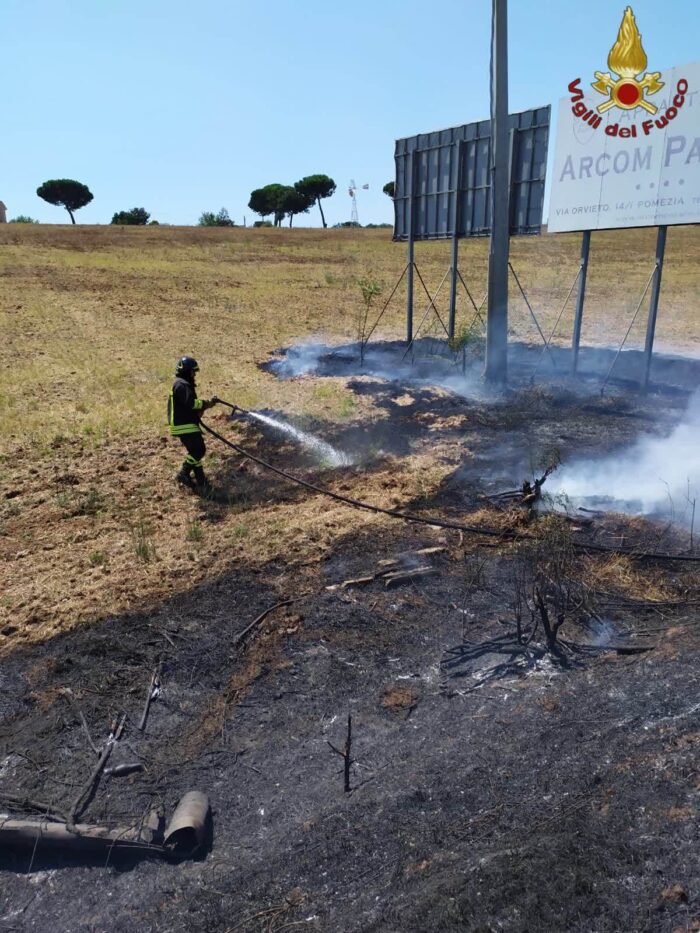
627,59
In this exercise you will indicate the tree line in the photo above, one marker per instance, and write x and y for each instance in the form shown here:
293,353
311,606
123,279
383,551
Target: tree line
280,201
274,200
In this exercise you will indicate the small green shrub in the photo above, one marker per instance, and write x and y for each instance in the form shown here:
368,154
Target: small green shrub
347,407
210,219
89,503
142,541
136,217
195,531
461,339
370,289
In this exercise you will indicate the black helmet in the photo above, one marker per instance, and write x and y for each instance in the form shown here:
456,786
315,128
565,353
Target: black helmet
187,366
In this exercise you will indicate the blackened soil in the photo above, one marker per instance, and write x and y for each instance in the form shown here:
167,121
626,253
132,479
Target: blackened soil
429,361
492,788
497,792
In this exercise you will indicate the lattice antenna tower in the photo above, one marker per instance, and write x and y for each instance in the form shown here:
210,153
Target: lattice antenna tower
352,191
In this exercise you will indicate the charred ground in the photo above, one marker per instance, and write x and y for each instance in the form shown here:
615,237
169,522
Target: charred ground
494,788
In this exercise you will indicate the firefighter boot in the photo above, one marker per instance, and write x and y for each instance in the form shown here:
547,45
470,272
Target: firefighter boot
204,487
184,476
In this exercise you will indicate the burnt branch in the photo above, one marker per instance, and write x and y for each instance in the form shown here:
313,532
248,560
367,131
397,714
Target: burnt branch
346,755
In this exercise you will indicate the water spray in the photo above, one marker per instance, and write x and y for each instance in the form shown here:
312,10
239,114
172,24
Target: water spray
323,451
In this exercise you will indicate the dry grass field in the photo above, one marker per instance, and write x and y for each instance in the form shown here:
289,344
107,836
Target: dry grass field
92,320
572,810
93,317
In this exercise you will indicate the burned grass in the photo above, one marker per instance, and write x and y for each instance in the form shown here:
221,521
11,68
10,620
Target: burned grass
496,783
548,797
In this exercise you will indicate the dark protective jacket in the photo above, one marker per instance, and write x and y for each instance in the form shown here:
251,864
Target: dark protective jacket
184,408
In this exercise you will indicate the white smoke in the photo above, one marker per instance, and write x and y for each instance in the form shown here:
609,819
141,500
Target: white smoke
301,359
656,475
383,362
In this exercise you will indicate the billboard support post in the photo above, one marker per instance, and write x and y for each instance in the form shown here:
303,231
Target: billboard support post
496,370
454,269
453,286
580,299
411,260
654,301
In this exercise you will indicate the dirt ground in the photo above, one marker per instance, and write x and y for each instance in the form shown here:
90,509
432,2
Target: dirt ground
495,785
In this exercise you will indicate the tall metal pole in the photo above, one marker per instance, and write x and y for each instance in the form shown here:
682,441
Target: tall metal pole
454,269
654,302
411,264
497,321
453,286
580,298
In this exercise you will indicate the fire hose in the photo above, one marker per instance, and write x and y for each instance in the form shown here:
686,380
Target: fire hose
430,520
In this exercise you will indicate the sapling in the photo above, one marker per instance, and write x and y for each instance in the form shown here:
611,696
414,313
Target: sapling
370,289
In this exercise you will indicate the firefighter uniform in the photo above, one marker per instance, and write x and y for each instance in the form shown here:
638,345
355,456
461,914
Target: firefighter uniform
184,415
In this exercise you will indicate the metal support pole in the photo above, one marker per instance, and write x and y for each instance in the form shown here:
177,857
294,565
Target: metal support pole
580,298
411,260
459,149
497,321
453,286
654,302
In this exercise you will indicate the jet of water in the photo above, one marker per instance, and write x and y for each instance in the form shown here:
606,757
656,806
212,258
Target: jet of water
324,452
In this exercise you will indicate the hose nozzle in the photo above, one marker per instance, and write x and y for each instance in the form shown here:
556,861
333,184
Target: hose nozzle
234,408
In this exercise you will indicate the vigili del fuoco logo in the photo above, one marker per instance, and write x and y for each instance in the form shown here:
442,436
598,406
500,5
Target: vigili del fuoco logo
625,88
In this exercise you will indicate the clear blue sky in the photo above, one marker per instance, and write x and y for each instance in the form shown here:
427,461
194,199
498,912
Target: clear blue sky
182,107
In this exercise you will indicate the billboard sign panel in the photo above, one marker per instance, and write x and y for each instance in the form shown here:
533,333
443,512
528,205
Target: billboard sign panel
443,183
628,163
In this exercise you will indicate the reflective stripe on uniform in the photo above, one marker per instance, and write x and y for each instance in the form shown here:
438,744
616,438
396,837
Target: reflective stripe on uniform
190,461
198,404
178,429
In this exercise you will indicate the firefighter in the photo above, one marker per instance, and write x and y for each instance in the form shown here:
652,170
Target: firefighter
184,414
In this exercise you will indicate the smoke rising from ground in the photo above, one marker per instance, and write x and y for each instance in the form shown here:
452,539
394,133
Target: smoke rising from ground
384,361
654,475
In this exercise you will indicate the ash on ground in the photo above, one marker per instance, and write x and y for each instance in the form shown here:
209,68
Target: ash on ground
495,784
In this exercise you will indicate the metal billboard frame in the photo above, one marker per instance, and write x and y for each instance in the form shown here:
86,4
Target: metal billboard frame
443,191
443,182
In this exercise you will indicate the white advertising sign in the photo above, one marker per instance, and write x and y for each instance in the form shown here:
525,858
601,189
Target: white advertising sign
632,166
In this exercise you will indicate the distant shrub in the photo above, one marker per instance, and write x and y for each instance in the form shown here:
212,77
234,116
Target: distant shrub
378,226
210,219
347,223
136,217
23,219
262,223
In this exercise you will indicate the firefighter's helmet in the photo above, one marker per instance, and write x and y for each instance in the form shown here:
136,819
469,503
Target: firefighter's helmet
186,367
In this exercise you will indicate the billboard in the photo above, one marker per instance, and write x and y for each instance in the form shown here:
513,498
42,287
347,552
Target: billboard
443,184
635,167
